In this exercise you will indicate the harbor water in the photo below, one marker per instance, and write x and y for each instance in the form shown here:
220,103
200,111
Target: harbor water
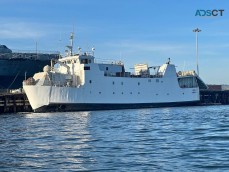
160,139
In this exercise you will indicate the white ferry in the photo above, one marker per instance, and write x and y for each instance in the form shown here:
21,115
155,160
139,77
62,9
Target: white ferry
78,82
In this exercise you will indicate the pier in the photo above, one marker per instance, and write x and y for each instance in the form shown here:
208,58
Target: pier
14,102
214,97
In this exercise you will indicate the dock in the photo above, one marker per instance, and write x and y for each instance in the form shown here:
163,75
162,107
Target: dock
14,102
214,97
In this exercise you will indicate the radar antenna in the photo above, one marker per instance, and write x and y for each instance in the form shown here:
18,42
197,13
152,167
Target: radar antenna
70,47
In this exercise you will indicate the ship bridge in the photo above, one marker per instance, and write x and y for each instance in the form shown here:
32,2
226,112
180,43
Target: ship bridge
84,58
190,79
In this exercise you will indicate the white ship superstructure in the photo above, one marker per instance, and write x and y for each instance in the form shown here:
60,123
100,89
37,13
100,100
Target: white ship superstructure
78,82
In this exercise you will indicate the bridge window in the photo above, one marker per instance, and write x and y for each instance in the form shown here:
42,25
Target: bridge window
86,67
84,61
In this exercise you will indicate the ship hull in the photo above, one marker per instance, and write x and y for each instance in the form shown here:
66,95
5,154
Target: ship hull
11,82
51,99
14,71
62,107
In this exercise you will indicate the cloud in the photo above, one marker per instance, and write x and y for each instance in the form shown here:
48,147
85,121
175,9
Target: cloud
20,30
151,47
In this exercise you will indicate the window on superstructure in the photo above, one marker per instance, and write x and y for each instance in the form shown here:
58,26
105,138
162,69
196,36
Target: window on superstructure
84,61
121,83
106,68
86,67
89,61
113,83
138,83
90,81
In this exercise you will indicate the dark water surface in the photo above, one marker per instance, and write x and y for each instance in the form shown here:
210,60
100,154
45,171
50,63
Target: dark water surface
163,139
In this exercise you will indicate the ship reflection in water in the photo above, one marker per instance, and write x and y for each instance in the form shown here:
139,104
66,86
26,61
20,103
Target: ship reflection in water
162,139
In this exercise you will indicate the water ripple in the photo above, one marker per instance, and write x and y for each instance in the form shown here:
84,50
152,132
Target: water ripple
163,139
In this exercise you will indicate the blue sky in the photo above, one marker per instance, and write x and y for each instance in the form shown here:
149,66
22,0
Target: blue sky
134,31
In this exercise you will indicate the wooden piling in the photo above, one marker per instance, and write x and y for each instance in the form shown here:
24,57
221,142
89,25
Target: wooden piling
12,103
208,97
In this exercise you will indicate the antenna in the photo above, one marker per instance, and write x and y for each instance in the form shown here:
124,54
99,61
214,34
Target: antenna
79,49
70,47
93,50
71,43
36,51
60,39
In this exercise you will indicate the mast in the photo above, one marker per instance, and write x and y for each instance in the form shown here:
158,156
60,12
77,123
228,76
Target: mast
70,47
71,43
